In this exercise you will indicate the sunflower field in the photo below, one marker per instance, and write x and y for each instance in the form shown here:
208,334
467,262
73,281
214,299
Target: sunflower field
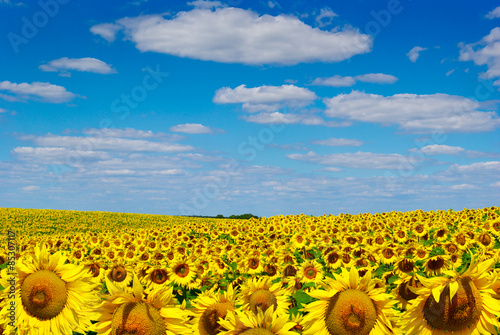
71,272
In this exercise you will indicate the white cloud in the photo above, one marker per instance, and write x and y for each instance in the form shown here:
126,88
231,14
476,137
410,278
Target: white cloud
86,64
339,142
450,72
52,155
106,143
414,53
339,81
191,128
439,149
30,188
377,78
204,4
293,118
107,31
480,167
358,160
234,35
463,187
43,91
335,81
265,98
494,14
413,112
122,133
325,17
485,52
2,110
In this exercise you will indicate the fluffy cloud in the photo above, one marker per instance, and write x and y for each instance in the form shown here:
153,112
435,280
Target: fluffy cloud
86,64
265,98
439,149
339,81
191,128
414,53
339,142
293,118
105,144
45,92
485,52
106,30
357,160
205,4
234,35
494,14
413,112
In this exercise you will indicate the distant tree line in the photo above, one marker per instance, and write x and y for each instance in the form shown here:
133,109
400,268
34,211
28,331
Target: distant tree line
220,216
242,216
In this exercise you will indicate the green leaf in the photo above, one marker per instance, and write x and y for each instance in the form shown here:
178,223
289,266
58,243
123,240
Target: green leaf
302,298
393,279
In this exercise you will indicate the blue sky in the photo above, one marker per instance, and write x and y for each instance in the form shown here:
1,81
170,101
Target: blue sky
238,106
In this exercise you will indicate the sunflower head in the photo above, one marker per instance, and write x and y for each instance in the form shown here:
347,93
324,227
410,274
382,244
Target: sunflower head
44,294
137,318
454,312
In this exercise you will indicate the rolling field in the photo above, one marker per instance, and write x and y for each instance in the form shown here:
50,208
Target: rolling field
70,272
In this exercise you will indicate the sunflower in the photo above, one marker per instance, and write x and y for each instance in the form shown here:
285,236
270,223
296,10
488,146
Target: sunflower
120,274
182,271
402,293
247,323
348,305
252,265
436,265
157,312
460,303
261,293
156,277
405,266
209,307
310,271
51,297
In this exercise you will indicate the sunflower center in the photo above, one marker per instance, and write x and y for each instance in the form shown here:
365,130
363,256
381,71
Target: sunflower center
436,264
405,292
257,331
137,318
210,317
405,265
159,276
94,270
182,270
118,274
310,273
262,299
43,294
350,312
460,313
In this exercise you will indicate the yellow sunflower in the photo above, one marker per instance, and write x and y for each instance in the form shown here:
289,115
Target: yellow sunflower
209,307
310,271
261,293
156,313
247,323
461,304
182,271
51,296
348,305
120,274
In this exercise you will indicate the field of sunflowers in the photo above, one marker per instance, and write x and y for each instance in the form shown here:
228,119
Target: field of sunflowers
70,272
